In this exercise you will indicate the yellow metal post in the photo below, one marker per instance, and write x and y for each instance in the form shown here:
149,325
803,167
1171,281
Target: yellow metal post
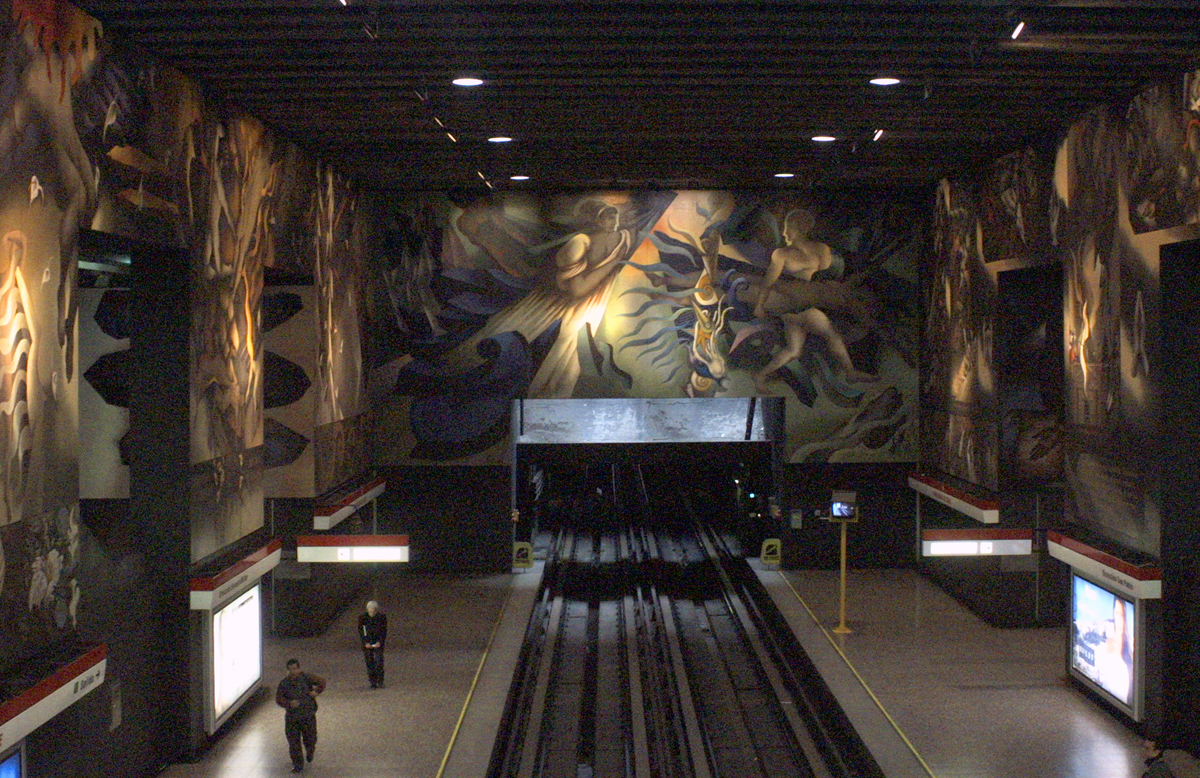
841,628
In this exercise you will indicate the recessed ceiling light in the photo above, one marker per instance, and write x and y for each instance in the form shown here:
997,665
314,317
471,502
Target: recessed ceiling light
518,178
467,81
785,175
885,81
824,138
1018,30
499,139
878,135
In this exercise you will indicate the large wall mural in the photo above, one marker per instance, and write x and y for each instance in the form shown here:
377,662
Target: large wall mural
1124,182
289,323
93,138
1029,371
105,327
649,294
959,429
338,238
236,179
1118,210
47,190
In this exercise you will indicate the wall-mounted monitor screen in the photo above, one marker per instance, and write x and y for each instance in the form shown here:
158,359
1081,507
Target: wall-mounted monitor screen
12,764
843,510
1104,651
236,645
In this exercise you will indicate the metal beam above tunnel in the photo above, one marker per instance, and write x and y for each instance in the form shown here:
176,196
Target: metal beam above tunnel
646,420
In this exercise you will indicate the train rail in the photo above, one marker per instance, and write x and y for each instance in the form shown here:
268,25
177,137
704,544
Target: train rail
652,652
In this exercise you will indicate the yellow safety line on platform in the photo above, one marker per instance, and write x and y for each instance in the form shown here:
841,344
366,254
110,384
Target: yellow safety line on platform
462,714
861,680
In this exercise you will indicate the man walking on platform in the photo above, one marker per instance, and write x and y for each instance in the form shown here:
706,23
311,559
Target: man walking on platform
297,694
372,630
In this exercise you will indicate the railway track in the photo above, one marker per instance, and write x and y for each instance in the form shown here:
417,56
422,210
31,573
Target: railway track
652,652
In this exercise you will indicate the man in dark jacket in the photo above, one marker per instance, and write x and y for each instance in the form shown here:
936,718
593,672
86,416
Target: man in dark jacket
372,630
1156,765
297,694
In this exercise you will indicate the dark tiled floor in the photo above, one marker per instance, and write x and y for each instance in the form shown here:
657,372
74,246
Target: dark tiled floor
972,700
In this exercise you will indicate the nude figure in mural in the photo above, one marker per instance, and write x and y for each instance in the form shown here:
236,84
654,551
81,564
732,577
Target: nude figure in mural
584,270
574,295
794,299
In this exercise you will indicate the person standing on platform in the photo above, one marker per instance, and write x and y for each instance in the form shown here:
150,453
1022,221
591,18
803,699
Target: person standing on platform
1156,765
372,630
297,694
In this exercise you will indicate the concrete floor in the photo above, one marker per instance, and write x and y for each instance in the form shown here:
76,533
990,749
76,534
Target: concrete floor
973,701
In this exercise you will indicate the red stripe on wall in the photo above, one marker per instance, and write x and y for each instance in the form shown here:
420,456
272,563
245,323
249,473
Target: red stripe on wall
977,534
228,574
352,540
10,709
1140,573
328,509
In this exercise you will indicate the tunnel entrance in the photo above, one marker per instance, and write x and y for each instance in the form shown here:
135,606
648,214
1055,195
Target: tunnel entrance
724,454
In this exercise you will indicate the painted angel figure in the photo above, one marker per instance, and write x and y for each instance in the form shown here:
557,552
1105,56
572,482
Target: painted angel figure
796,300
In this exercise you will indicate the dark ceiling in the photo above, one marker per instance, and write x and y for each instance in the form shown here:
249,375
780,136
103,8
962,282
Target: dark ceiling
698,93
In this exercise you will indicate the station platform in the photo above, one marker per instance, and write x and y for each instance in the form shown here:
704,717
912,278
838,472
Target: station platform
934,690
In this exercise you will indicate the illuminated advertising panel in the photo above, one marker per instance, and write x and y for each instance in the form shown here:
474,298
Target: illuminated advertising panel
236,646
12,764
1105,635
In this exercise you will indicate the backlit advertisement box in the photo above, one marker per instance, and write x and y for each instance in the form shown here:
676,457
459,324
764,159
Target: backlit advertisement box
12,764
1105,650
236,655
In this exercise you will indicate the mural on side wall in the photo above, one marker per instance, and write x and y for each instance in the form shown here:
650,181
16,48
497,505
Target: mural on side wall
1118,209
91,138
226,498
40,591
233,241
1162,154
1015,208
104,359
1030,368
47,190
289,325
649,294
959,431
342,452
1124,182
338,240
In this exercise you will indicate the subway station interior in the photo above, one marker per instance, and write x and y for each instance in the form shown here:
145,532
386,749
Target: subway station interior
700,389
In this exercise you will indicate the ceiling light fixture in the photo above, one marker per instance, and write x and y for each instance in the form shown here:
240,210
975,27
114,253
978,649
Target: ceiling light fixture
785,175
499,139
824,138
467,81
885,81
1018,30
451,137
518,178
878,135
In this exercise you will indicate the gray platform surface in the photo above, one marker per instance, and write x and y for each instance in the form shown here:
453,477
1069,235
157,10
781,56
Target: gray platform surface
974,701
444,631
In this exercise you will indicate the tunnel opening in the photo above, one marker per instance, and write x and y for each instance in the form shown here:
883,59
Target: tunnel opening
594,464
